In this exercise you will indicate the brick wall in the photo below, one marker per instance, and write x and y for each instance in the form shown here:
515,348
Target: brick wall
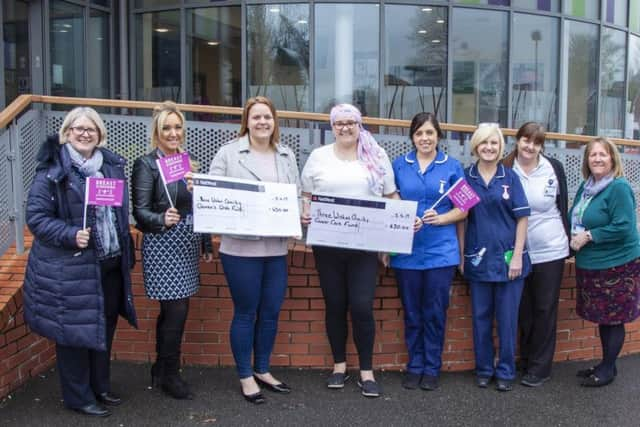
301,340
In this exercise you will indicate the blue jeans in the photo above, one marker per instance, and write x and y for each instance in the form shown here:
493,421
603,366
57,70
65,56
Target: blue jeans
425,299
258,286
500,300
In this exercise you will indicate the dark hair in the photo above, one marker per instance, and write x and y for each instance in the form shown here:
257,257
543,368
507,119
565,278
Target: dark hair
533,131
422,118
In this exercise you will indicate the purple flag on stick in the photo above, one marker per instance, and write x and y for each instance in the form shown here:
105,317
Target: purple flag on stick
173,168
462,195
104,191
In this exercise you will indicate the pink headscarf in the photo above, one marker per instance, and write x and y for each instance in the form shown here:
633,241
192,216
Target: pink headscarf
369,152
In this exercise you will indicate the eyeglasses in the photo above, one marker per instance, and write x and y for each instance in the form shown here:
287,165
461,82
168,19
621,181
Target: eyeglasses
78,130
345,125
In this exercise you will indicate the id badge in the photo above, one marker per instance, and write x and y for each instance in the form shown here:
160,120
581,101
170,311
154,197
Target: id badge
550,191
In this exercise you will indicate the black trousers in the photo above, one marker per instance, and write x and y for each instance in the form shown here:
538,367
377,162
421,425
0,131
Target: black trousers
84,372
538,317
348,282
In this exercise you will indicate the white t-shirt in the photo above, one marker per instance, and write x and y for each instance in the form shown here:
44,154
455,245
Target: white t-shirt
324,172
546,237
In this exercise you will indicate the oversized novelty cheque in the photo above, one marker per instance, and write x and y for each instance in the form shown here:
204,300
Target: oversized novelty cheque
366,223
223,205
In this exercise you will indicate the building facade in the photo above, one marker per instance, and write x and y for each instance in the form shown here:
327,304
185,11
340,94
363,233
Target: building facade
573,65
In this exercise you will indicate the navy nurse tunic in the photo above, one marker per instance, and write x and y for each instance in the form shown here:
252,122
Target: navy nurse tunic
433,246
491,224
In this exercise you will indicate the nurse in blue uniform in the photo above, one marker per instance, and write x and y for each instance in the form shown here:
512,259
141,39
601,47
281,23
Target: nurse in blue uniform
424,276
495,258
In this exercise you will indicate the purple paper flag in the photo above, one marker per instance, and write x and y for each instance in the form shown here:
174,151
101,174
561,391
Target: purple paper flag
105,191
463,196
173,168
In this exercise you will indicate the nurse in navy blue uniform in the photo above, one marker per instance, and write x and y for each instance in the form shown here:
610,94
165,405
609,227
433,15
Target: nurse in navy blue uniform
495,258
424,276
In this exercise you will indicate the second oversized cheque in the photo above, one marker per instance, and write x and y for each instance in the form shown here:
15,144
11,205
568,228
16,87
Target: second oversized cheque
223,205
367,223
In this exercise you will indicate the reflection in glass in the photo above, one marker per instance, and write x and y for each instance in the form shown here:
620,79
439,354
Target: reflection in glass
534,70
582,8
346,56
633,102
581,78
213,69
634,15
15,36
479,66
101,2
67,49
487,2
98,58
415,78
158,56
615,12
543,5
278,54
155,3
612,86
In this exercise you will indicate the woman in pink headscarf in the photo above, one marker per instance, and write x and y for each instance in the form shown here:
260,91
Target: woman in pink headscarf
353,166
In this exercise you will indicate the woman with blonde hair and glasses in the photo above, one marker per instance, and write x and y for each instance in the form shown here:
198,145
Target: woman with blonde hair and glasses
256,267
495,258
170,248
77,279
605,238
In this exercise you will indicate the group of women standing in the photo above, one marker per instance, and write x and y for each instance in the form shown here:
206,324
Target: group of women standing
510,247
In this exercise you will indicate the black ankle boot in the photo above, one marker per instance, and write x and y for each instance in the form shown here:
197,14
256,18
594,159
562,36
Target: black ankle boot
172,384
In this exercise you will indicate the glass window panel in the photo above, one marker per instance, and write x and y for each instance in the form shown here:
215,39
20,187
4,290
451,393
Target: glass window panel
543,5
101,2
415,78
156,3
582,8
615,12
214,67
346,56
487,2
67,49
278,54
15,37
158,56
612,82
534,70
98,61
633,103
634,15
581,78
479,66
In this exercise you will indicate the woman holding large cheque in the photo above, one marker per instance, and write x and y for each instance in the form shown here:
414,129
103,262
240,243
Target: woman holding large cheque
256,267
355,165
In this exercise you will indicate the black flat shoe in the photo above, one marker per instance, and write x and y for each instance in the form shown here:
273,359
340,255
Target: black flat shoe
93,410
595,381
109,398
255,398
337,379
586,373
276,388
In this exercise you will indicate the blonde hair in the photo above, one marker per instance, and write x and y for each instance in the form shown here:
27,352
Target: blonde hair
483,133
612,150
80,112
244,122
159,117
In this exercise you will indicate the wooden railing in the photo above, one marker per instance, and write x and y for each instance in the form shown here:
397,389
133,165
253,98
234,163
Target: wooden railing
24,101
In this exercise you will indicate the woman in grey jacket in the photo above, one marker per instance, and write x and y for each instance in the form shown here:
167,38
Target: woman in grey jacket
256,267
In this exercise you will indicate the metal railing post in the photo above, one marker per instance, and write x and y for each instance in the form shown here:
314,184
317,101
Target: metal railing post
16,215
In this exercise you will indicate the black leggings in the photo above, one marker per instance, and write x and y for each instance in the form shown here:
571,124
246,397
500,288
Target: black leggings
170,327
348,282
